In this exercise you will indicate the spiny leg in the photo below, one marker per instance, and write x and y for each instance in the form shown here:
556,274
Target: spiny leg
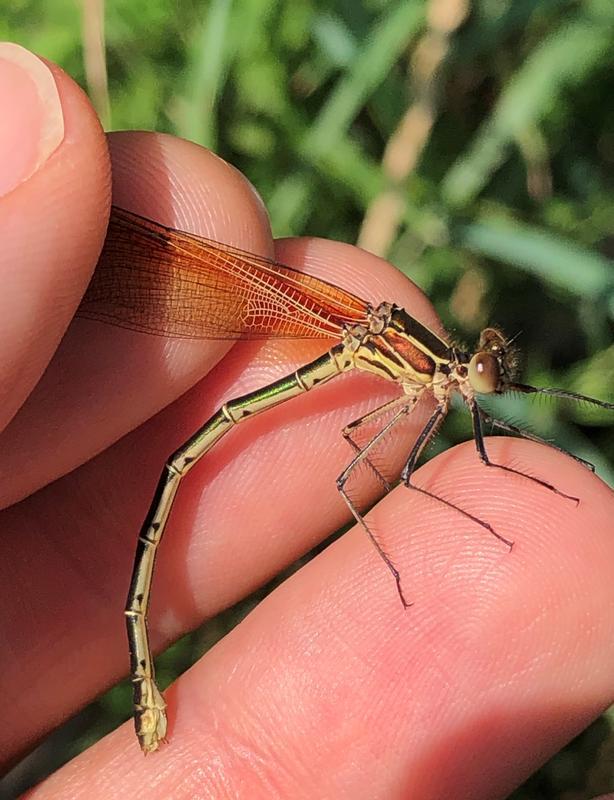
532,437
356,424
149,706
429,430
476,416
362,455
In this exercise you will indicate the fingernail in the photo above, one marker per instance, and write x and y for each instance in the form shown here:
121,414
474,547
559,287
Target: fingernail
32,120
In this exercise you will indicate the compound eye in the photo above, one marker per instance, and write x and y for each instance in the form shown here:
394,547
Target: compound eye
484,373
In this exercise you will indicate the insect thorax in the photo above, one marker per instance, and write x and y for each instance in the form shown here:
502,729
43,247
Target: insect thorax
397,347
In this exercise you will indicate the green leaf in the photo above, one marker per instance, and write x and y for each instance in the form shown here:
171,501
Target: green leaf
554,260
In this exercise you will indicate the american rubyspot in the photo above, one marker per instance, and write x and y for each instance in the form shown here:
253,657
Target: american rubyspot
161,281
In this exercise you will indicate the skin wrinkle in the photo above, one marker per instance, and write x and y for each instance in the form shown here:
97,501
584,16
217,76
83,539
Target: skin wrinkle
240,753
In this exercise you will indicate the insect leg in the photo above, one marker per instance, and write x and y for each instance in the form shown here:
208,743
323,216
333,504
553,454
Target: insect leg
428,432
362,455
507,426
477,417
354,426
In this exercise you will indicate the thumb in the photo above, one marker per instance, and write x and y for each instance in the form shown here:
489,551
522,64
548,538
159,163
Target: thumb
54,197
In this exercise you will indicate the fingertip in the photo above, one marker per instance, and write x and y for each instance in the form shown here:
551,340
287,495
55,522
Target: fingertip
540,521
185,186
35,127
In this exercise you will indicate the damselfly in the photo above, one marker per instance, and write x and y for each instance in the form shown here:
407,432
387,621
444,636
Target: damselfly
161,281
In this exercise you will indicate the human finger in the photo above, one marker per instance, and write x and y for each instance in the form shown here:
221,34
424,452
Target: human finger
330,689
54,200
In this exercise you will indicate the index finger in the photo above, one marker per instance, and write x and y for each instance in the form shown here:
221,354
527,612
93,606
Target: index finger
330,689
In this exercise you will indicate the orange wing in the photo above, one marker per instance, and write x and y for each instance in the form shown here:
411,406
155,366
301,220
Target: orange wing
157,280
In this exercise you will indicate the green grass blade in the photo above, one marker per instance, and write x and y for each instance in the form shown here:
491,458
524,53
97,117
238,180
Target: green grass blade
208,71
564,59
387,40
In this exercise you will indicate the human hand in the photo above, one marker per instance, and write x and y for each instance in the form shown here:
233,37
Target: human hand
329,688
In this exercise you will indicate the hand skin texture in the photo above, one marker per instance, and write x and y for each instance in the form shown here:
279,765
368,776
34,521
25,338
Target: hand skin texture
329,689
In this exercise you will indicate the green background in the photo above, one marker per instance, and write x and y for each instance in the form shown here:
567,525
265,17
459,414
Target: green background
506,216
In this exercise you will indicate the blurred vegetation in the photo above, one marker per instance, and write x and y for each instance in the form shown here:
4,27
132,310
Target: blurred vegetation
472,143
